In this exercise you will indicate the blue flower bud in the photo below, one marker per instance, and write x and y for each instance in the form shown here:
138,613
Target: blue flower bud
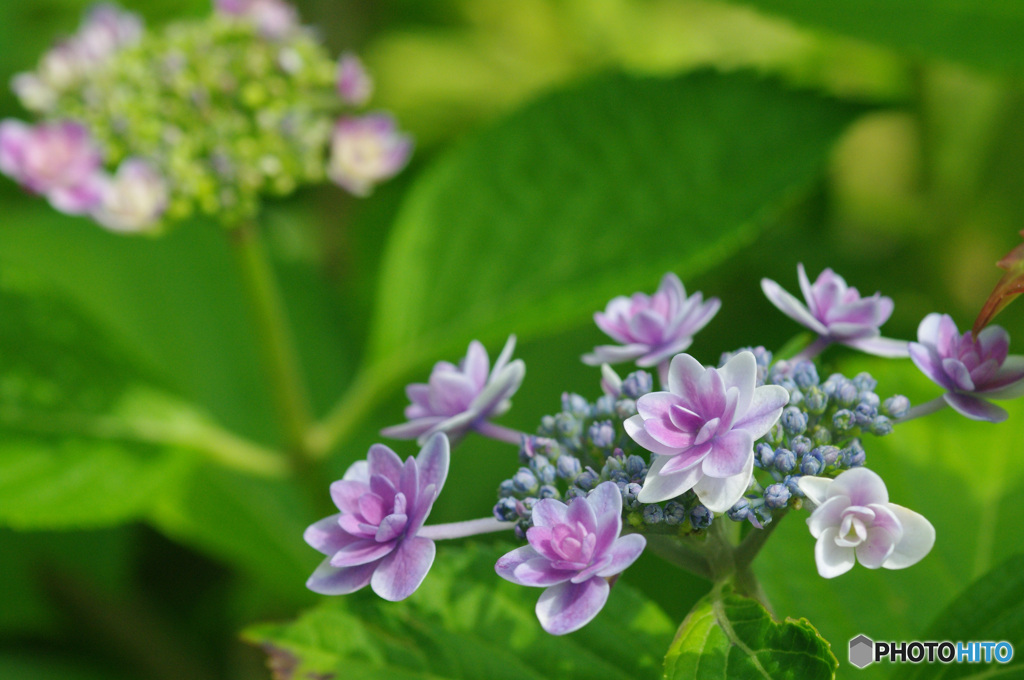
796,397
575,404
548,426
574,492
636,468
815,400
847,394
794,421
821,436
896,406
568,467
524,481
629,494
653,514
864,382
792,483
601,434
505,510
543,470
800,445
617,476
625,408
548,491
881,426
587,479
776,434
805,375
871,399
863,414
637,384
566,425
700,517
853,455
811,463
612,464
739,512
764,455
842,420
506,488
785,460
776,496
832,384
521,529
675,513
604,406
829,454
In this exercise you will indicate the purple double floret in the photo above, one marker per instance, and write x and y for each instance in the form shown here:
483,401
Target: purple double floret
972,370
651,329
573,550
460,398
837,313
373,540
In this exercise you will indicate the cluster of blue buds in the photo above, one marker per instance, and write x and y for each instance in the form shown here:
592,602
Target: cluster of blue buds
584,445
818,433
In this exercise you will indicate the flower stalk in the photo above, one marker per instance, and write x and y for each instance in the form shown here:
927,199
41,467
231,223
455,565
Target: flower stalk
280,359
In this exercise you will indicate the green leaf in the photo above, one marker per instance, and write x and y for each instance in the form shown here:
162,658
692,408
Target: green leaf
537,222
465,623
992,608
86,442
985,34
730,636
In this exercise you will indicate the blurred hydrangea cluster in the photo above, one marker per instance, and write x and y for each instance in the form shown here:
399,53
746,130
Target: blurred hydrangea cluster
141,128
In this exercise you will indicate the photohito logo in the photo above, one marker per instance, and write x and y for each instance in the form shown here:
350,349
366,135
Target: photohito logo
864,650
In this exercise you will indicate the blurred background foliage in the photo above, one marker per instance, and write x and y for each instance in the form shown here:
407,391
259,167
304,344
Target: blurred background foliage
884,140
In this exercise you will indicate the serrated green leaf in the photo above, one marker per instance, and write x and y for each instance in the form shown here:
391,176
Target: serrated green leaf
593,191
732,637
465,623
992,609
982,33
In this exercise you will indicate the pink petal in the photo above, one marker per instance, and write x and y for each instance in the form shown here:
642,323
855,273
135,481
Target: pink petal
927,360
328,580
684,375
740,372
510,561
634,427
975,408
765,408
567,607
880,347
917,541
326,535
828,514
791,307
606,502
550,513
539,573
877,548
623,553
728,455
862,486
718,495
384,461
361,552
402,572
346,494
660,486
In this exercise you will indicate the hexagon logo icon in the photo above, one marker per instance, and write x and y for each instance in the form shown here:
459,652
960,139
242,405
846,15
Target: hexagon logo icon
862,651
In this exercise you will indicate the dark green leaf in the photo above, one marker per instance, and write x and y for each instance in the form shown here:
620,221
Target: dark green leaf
732,637
539,221
992,609
986,33
464,622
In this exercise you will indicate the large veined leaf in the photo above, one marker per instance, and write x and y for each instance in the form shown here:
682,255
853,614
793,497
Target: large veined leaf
85,441
991,609
532,225
728,636
590,192
464,622
964,476
985,33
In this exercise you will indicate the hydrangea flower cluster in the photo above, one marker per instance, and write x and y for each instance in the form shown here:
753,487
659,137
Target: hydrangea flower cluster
748,440
142,128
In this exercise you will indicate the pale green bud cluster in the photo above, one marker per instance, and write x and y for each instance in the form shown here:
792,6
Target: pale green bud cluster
226,114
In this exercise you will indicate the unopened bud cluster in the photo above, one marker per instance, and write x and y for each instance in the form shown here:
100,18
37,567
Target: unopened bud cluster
210,115
584,445
818,433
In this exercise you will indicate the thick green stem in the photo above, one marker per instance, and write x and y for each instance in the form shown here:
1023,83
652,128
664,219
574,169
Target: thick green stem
672,550
279,357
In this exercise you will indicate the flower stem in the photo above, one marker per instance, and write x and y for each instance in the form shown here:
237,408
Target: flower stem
925,409
671,549
471,527
279,357
812,350
500,433
752,543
